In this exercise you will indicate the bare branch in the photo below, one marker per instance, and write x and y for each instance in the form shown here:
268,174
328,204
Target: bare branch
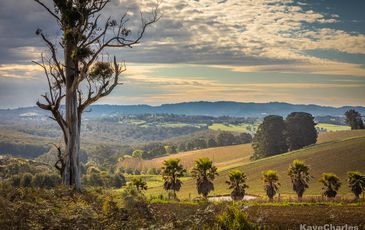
48,9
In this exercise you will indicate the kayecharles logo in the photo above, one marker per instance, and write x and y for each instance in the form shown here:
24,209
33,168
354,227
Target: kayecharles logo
328,227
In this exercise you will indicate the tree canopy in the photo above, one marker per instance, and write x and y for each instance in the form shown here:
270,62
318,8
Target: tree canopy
300,130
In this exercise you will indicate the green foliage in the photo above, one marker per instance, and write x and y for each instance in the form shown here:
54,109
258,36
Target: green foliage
139,184
234,219
331,184
300,130
172,170
225,139
118,180
200,144
45,180
269,139
171,149
15,180
356,182
137,154
237,182
101,70
204,172
99,178
354,119
153,171
26,180
212,143
299,175
271,183
153,149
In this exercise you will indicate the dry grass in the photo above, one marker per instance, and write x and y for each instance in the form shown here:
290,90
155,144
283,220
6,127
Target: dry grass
339,135
224,157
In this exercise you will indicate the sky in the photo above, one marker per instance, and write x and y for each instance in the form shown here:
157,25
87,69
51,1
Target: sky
302,52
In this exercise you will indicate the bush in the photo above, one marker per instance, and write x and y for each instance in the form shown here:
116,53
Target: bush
234,219
95,179
118,181
15,180
26,180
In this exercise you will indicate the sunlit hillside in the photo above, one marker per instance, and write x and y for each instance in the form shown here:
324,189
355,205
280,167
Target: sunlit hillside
335,152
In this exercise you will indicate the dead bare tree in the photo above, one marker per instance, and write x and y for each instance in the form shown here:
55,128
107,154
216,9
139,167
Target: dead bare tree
79,77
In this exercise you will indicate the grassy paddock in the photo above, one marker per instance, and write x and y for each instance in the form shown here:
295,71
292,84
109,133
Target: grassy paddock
336,156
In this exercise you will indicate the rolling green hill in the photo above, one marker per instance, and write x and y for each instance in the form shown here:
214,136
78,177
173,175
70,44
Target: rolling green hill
338,153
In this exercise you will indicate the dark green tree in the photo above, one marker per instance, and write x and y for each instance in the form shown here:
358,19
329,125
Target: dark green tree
354,120
271,181
269,139
299,175
200,143
244,138
331,184
225,138
172,170
212,143
237,182
204,172
76,70
300,130
356,183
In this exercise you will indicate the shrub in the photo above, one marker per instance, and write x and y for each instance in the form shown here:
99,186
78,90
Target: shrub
118,181
15,180
95,179
26,180
234,219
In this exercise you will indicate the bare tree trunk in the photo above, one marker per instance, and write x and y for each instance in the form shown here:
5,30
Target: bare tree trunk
72,164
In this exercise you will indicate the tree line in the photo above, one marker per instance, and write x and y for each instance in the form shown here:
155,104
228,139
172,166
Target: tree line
276,135
224,138
205,172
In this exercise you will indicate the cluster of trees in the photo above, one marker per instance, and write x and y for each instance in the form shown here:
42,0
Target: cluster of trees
179,118
276,135
224,138
101,178
136,171
38,180
354,119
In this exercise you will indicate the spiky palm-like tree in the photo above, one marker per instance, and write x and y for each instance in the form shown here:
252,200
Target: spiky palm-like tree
237,182
204,172
299,174
271,181
356,183
331,184
171,172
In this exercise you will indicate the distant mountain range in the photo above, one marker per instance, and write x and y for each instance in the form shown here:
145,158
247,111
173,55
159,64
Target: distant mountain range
221,108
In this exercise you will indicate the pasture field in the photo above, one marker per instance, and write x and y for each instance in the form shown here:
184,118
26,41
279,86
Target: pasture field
337,156
223,157
332,127
241,128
